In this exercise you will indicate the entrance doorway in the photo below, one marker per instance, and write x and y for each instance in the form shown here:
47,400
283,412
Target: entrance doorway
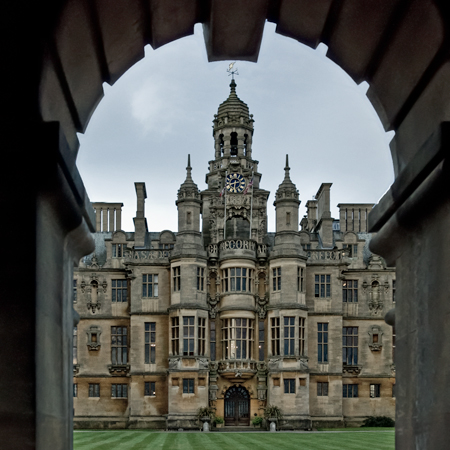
237,406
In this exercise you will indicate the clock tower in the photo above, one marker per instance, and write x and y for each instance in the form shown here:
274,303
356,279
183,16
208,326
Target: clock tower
232,208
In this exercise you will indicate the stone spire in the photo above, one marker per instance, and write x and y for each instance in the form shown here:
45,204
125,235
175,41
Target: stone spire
286,206
287,189
188,189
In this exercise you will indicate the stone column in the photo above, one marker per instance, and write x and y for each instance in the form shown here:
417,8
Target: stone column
413,223
37,279
98,219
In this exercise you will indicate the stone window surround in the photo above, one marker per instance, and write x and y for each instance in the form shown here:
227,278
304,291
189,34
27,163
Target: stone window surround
278,342
242,264
150,283
197,314
227,329
93,337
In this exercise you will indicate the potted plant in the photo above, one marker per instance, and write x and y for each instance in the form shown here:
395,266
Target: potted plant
257,421
219,421
205,415
273,414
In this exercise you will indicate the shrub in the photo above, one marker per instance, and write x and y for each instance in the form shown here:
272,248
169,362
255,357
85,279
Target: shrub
378,421
273,411
218,419
257,420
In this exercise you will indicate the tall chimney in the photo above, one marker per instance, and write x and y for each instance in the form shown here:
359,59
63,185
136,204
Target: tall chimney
140,222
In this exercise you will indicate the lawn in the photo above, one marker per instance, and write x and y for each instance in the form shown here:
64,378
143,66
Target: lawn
136,440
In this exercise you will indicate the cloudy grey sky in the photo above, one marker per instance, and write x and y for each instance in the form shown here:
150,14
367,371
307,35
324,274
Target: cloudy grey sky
303,105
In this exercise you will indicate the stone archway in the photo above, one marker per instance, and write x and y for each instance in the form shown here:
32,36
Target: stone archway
237,406
66,50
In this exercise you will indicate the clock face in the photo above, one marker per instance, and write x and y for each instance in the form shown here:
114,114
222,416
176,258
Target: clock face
235,183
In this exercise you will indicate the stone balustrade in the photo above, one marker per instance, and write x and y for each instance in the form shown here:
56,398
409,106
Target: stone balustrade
237,369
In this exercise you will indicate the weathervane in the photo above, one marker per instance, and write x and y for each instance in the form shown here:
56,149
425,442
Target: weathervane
231,71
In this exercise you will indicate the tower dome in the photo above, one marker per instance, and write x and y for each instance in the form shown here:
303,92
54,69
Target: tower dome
233,104
233,127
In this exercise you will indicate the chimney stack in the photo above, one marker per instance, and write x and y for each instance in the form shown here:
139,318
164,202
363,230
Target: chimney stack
140,222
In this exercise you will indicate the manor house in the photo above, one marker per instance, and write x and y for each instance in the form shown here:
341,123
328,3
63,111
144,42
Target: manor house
223,313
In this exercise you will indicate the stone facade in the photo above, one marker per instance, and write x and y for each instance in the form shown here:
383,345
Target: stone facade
229,315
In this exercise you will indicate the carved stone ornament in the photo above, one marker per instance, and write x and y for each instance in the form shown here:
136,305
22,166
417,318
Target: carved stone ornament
93,306
262,393
262,368
203,363
375,341
119,370
353,370
94,262
213,392
213,305
303,362
274,363
213,368
174,363
93,338
375,263
375,300
76,369
262,303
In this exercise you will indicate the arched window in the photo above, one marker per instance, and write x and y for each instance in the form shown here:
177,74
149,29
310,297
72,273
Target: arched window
234,143
221,143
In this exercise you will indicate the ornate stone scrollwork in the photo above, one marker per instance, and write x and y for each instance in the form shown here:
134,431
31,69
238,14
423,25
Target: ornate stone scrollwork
119,370
94,307
303,362
174,363
262,303
375,298
213,305
203,363
213,367
94,262
354,370
273,363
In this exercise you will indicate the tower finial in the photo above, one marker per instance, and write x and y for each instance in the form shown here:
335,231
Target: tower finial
232,71
287,169
189,169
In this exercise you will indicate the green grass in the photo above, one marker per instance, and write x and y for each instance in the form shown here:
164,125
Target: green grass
358,429
136,440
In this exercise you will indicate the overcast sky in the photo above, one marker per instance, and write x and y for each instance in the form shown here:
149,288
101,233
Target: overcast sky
303,105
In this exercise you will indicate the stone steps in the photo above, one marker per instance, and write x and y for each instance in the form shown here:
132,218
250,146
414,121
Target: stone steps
247,429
